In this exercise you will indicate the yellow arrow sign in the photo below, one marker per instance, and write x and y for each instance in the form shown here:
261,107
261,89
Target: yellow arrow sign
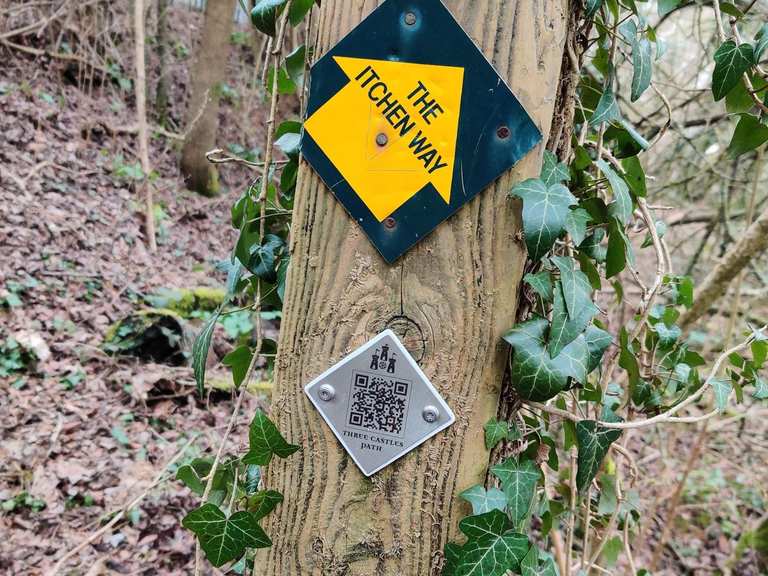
391,129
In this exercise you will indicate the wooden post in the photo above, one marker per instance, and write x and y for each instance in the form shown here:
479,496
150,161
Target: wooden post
453,295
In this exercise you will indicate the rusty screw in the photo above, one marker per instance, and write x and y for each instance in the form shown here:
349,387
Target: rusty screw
410,18
390,223
502,132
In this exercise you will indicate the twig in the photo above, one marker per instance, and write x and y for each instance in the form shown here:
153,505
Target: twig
116,518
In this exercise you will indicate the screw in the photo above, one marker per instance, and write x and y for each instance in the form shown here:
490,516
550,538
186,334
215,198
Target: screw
381,139
502,132
326,392
410,18
390,223
430,413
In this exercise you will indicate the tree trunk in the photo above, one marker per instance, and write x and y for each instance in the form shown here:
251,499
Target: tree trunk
161,94
202,120
456,290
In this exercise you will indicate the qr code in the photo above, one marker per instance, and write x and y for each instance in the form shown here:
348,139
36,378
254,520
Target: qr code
379,403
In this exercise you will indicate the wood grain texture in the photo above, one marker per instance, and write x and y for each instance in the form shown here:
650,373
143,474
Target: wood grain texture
459,287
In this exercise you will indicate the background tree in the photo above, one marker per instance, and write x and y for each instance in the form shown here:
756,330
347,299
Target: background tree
202,118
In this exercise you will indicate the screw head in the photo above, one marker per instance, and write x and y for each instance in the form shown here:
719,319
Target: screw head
381,139
502,132
390,223
410,18
326,392
430,413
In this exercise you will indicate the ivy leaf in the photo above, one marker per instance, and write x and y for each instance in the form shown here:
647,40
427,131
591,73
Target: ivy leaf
289,144
731,61
722,390
496,431
594,443
761,43
532,566
492,548
452,553
264,255
518,480
566,329
200,350
593,245
592,6
224,539
297,11
252,479
749,134
598,341
761,390
552,171
193,475
621,207
263,502
541,283
493,523
577,290
535,375
545,209
667,6
634,175
239,360
576,224
265,440
607,109
264,15
619,249
483,500
642,63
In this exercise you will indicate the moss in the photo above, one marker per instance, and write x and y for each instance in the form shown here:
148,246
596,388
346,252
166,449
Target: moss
185,301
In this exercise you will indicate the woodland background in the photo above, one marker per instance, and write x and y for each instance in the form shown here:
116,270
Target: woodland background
96,329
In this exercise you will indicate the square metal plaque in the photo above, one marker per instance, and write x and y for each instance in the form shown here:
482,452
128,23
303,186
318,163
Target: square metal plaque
379,403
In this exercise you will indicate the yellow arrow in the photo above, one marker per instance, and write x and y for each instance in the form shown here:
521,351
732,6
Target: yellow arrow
391,129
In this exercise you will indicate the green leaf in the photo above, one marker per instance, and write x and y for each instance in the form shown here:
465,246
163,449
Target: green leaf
297,11
667,6
263,502
289,143
621,207
731,10
592,6
749,134
239,360
545,209
576,224
496,431
761,43
634,175
761,390
265,440
565,329
264,256
532,566
577,291
607,109
722,390
642,64
731,61
593,245
294,65
200,350
264,15
552,171
535,375
483,500
619,250
224,539
518,480
452,554
541,283
594,443
492,548
598,341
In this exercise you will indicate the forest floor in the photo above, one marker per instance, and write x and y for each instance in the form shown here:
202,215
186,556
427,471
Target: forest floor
84,432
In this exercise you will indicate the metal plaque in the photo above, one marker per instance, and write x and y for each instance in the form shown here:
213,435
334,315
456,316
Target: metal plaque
407,121
379,403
